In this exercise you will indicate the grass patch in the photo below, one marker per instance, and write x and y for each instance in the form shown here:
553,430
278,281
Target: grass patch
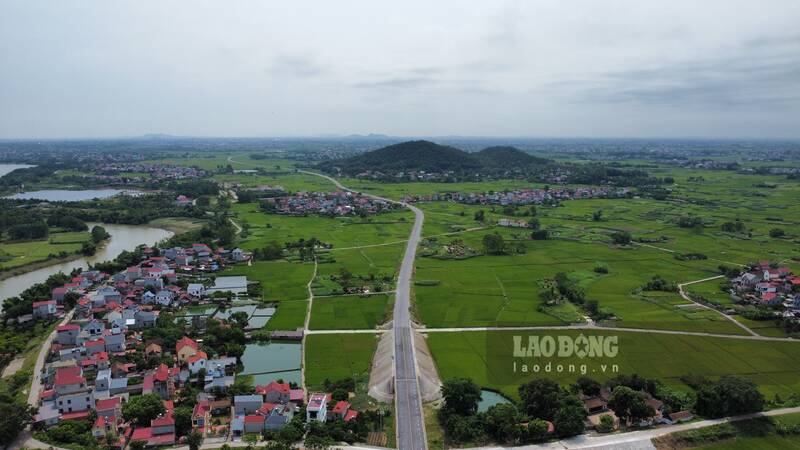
350,312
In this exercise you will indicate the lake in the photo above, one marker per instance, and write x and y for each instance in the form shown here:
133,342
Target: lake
489,399
123,237
8,168
272,361
63,195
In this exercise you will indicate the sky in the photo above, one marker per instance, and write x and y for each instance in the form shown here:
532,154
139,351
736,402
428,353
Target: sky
536,68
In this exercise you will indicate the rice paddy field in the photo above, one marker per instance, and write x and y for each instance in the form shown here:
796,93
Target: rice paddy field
338,356
350,312
774,366
16,254
506,290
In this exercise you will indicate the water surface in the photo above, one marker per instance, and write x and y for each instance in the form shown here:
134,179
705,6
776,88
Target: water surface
63,195
123,237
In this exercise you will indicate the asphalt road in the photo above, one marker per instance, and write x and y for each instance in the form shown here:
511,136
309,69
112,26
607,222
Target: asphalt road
408,402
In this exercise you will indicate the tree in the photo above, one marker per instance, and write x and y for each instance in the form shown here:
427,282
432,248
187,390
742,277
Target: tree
629,405
143,408
501,423
479,215
540,398
597,216
137,445
533,224
729,396
586,385
99,234
606,424
194,440
461,396
239,319
621,237
14,417
569,418
183,420
250,439
540,235
777,233
537,430
493,244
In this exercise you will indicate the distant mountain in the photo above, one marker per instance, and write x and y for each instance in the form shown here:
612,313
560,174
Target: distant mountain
507,157
411,155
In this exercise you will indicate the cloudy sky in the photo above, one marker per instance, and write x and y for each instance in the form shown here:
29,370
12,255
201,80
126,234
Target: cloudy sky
711,68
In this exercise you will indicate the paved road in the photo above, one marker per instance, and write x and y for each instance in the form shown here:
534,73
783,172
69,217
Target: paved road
25,439
408,401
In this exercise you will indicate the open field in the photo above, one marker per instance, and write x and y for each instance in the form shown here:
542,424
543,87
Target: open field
774,366
505,290
350,312
338,356
176,224
15,254
280,280
340,232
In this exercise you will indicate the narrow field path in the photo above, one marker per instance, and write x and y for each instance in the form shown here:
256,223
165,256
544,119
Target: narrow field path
305,331
566,327
689,298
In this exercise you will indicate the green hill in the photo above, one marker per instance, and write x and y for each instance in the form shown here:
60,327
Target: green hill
507,157
411,155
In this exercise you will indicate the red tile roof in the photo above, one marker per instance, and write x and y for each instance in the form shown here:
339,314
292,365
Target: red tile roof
162,373
69,375
100,342
197,357
351,414
253,419
283,388
75,415
44,303
341,407
162,421
266,408
183,342
107,403
68,327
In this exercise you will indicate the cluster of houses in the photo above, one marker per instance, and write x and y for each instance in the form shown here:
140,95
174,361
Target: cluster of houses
131,295
411,175
338,203
767,285
92,361
523,196
596,407
84,380
156,171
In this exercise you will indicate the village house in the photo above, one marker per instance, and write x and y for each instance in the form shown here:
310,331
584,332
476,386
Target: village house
44,309
317,407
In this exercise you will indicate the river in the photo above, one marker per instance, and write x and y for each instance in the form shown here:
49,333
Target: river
123,237
8,168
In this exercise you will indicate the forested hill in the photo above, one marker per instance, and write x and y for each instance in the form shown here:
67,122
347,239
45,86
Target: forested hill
430,157
507,157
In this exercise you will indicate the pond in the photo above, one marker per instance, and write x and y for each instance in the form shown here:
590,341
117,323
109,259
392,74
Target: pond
63,195
489,399
257,317
123,237
272,361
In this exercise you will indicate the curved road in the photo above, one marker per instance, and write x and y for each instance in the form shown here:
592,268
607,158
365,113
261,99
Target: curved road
408,402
